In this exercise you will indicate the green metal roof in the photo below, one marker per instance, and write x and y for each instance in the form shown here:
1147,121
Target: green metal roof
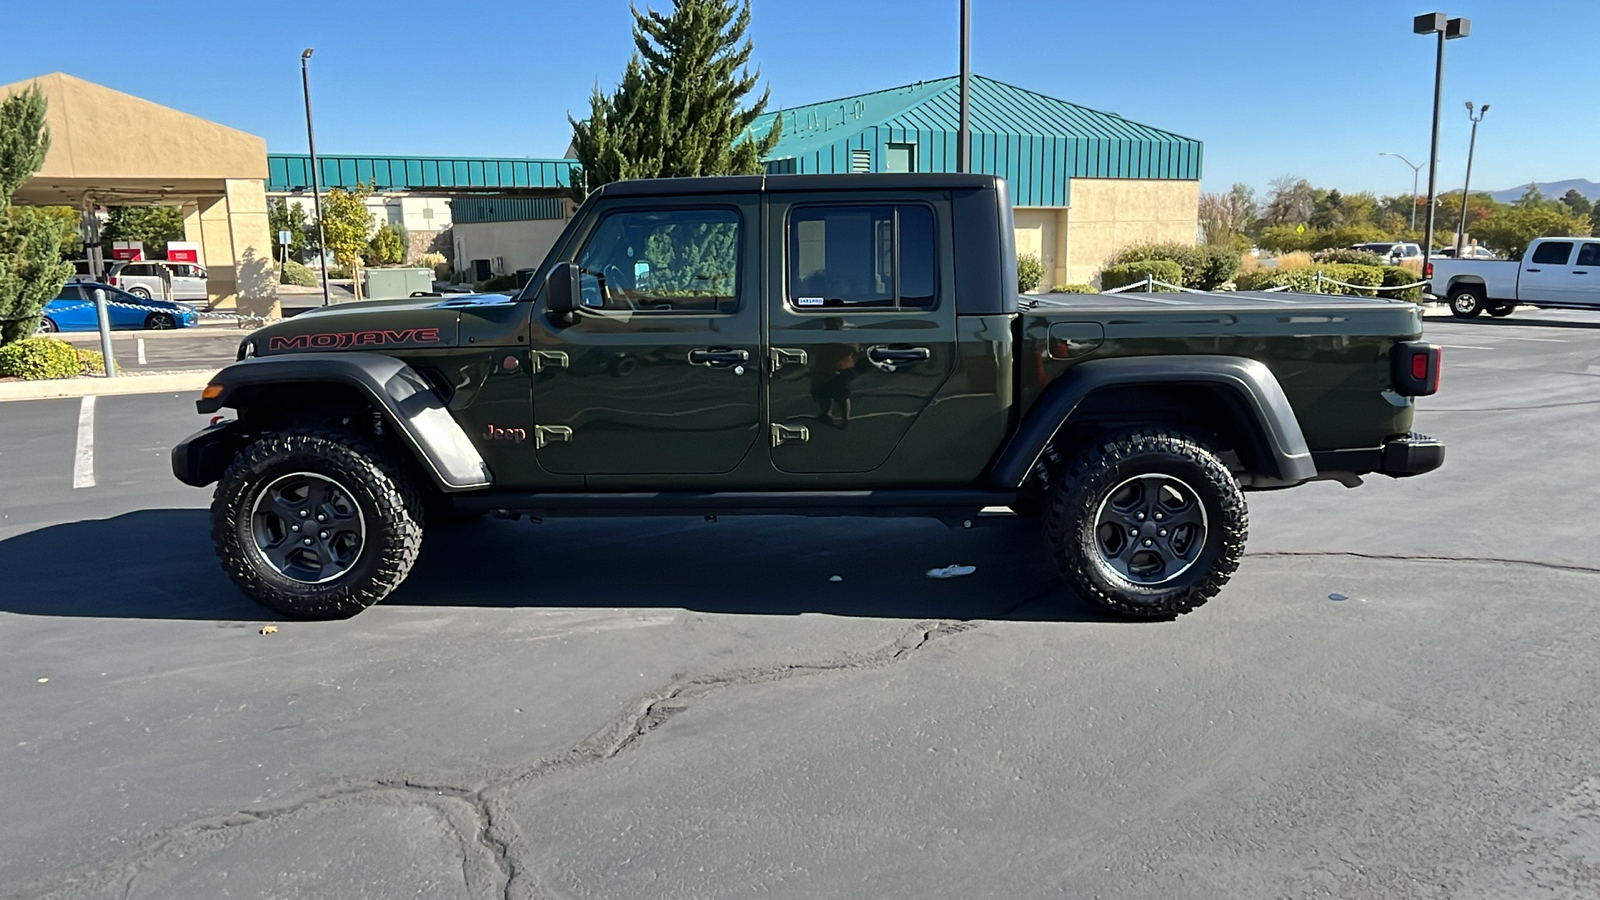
451,174
1033,141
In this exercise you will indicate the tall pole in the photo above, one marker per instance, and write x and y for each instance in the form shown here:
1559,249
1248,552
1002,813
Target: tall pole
964,133
1446,29
1433,154
1466,188
316,192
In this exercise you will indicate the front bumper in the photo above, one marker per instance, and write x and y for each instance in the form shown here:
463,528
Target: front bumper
199,459
1400,457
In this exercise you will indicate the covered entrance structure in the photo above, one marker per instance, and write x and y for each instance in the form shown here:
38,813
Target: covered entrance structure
111,148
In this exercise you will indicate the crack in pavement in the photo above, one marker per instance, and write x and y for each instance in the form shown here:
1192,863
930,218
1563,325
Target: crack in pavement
493,832
1426,557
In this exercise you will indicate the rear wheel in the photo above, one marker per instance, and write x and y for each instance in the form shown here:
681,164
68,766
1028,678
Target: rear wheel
315,524
160,322
1466,302
1149,524
141,293
1501,310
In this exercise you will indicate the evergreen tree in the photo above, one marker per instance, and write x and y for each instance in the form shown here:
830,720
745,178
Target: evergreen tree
31,270
291,217
677,109
1578,203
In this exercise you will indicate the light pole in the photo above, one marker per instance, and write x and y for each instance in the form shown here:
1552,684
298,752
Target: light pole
1466,189
964,131
1448,30
316,193
1416,169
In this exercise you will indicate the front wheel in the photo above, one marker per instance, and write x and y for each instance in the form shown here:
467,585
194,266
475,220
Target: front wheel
1466,302
315,524
160,322
1149,524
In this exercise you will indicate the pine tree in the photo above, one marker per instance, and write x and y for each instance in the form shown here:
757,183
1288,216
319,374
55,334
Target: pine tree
31,270
677,109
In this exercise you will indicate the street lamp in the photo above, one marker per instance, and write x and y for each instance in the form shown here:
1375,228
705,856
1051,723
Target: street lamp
1448,30
1461,232
1415,169
316,193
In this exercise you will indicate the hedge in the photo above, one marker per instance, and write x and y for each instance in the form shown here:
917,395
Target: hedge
1304,280
1357,257
1073,289
497,283
1123,274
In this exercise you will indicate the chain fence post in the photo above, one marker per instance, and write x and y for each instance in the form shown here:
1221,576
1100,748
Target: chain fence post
104,315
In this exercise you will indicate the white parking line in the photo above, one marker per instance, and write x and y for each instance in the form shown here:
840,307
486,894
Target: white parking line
1520,337
1464,347
83,461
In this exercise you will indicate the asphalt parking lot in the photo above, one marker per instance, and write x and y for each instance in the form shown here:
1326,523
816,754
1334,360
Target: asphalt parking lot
1394,697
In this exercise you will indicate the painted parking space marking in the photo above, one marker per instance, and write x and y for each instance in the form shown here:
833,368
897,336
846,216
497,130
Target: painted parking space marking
1464,347
83,460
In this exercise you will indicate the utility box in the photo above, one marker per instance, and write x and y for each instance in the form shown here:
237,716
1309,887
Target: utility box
394,284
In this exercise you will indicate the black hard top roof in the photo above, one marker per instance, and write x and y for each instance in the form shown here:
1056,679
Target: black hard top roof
744,184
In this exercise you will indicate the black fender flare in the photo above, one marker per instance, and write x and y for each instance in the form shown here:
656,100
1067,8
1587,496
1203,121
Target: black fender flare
410,405
1249,380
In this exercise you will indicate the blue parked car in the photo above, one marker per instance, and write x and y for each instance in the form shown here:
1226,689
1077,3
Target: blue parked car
73,310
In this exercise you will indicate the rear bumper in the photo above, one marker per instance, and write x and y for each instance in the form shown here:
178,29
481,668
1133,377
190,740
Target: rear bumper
1399,457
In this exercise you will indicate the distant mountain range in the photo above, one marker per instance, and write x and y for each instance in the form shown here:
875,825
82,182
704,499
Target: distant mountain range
1552,189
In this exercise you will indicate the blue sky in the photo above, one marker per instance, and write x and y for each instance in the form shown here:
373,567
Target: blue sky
1316,89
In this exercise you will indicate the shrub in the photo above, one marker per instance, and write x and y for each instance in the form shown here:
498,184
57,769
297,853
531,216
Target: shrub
338,271
442,270
497,283
93,362
37,358
1357,257
1299,259
1204,266
297,274
1030,272
1397,275
1073,289
1122,274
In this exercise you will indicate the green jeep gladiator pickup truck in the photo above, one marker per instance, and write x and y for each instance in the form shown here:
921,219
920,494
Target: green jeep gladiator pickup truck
799,345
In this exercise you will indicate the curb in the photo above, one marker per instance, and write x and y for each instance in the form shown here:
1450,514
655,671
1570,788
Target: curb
166,382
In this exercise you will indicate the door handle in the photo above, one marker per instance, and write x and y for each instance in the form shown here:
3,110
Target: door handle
718,358
781,355
892,355
1532,270
1579,273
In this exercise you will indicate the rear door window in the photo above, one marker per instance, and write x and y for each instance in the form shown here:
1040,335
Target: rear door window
1589,255
1553,253
862,257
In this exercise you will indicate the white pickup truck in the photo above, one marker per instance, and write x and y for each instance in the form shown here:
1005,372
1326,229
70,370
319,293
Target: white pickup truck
1554,273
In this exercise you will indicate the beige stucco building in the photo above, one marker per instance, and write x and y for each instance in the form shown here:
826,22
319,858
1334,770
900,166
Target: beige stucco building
111,148
1105,215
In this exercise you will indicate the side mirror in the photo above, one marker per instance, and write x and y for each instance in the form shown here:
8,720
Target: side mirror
563,294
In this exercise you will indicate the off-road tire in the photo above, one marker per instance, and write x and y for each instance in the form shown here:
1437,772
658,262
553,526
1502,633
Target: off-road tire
1467,302
390,507
1501,310
1071,522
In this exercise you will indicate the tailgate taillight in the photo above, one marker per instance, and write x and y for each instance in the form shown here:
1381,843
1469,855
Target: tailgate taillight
1415,368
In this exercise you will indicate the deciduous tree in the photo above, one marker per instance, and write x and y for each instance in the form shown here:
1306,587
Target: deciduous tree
152,226
346,224
677,111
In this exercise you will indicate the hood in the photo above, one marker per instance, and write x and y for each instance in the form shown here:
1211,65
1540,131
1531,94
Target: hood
379,325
